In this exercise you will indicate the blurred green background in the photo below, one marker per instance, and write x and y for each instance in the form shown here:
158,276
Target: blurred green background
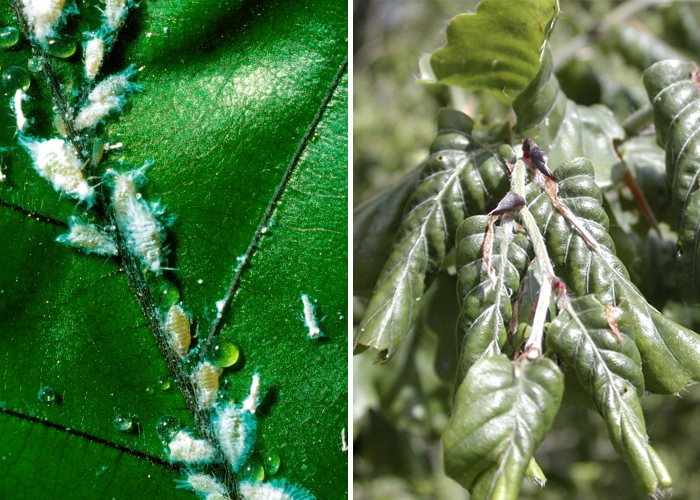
600,50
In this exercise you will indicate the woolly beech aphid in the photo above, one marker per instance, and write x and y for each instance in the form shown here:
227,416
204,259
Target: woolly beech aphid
57,161
94,112
16,105
114,86
94,53
137,218
202,483
310,318
235,433
206,378
185,448
251,402
114,12
42,16
274,490
88,238
177,327
105,98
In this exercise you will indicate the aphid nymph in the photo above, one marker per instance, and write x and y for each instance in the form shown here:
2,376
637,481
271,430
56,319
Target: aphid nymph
57,161
310,318
177,328
251,402
274,490
88,238
235,431
94,53
42,16
16,105
206,378
185,448
114,12
202,483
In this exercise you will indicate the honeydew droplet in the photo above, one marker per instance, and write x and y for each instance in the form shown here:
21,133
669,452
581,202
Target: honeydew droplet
34,64
167,427
271,462
224,354
9,36
150,390
164,383
48,395
14,78
124,423
254,471
61,47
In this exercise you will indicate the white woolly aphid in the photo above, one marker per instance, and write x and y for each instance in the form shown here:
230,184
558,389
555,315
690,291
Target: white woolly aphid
57,161
235,432
107,97
274,490
202,483
114,12
310,318
138,219
94,53
216,496
88,238
42,16
251,402
186,448
16,105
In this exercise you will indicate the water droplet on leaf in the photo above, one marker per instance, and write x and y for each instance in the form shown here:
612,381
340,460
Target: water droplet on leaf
61,47
164,383
254,471
34,64
224,353
271,462
124,423
167,427
9,36
14,78
48,395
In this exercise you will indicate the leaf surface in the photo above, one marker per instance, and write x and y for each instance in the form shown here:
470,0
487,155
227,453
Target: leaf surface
497,48
502,412
459,178
599,344
566,130
245,117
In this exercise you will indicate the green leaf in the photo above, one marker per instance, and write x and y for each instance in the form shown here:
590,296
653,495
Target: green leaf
245,117
502,412
565,129
459,178
670,353
676,101
598,342
496,49
640,47
375,223
486,308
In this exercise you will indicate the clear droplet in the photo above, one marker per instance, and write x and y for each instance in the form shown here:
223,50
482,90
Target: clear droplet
254,471
124,423
48,395
171,295
224,354
167,427
14,78
34,64
61,47
150,390
164,383
9,36
271,462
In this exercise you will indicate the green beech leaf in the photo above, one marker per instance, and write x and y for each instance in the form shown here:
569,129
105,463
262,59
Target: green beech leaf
374,224
640,47
676,101
496,49
565,129
459,178
502,412
670,353
245,117
486,308
598,342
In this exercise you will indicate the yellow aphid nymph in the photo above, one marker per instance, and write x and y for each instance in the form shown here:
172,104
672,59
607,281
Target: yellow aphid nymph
206,379
177,328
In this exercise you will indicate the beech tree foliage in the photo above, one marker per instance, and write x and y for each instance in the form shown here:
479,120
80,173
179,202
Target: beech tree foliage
552,231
